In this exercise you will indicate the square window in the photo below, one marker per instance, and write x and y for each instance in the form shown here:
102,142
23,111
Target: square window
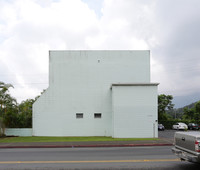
79,115
97,115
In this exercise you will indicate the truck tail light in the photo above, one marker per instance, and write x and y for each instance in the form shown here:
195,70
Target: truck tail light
197,145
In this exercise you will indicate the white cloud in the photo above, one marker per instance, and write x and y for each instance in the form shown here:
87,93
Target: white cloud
30,29
169,28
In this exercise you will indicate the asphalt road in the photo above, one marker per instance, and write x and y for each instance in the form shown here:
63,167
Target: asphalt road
167,134
93,158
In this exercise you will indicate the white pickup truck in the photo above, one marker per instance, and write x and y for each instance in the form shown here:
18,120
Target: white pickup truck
187,146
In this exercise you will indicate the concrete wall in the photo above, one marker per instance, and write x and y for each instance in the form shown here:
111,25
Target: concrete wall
18,131
135,111
79,82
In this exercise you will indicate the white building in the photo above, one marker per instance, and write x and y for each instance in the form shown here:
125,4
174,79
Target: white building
98,93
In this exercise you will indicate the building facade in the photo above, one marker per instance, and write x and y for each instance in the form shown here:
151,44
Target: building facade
98,93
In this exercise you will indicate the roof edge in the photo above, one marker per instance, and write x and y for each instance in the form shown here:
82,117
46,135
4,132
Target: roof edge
134,84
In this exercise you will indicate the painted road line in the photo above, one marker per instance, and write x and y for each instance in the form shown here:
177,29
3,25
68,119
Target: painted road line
96,161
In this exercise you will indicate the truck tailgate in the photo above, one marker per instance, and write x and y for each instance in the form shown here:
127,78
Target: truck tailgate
186,140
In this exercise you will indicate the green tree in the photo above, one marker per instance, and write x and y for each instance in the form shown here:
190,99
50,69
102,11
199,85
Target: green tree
192,114
12,114
188,113
10,119
4,87
197,107
164,104
5,98
197,111
25,112
7,103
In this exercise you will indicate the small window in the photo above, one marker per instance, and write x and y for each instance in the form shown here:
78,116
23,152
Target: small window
79,115
97,115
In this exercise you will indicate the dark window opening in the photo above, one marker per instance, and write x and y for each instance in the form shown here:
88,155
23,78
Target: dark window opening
79,115
97,115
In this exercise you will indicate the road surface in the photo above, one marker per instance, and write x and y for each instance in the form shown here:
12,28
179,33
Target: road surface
93,158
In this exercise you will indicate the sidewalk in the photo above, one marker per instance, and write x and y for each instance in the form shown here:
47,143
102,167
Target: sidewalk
160,142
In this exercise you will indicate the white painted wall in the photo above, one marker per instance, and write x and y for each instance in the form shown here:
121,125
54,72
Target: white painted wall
135,111
79,82
18,131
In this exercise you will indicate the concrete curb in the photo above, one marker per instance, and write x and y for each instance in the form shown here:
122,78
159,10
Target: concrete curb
87,146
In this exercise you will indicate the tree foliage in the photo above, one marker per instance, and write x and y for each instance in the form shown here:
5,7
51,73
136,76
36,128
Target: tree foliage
25,109
7,104
188,113
6,100
164,104
12,114
197,107
192,114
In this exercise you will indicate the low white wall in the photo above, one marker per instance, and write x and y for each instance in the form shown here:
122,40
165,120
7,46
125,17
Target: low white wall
18,131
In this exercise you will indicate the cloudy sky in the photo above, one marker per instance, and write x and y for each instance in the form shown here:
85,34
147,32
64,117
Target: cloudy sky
170,29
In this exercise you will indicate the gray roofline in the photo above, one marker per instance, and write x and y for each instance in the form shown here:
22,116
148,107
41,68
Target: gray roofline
96,50
134,84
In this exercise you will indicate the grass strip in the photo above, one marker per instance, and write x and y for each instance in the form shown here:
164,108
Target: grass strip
68,139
